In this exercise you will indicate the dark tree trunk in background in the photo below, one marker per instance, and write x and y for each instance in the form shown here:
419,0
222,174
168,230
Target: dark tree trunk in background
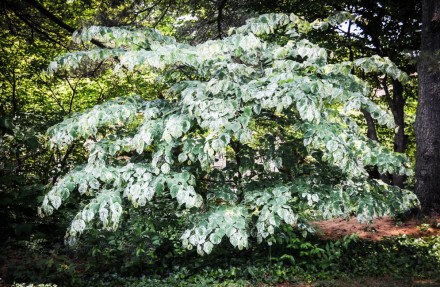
427,126
396,102
400,141
372,134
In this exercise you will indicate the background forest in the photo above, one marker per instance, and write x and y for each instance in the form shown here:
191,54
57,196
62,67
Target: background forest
319,109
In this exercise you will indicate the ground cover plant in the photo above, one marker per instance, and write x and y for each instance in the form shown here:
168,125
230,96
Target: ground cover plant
399,260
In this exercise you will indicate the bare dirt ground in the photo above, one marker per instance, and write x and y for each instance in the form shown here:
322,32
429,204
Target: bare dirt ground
380,228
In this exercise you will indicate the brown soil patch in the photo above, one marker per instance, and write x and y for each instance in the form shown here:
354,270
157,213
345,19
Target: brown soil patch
380,228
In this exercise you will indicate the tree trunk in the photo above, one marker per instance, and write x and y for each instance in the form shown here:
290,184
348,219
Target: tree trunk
396,102
399,118
372,134
427,128
371,131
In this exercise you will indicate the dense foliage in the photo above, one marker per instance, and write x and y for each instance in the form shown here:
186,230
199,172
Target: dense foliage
266,98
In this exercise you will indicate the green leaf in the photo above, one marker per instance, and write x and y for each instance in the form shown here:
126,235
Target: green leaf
182,157
165,168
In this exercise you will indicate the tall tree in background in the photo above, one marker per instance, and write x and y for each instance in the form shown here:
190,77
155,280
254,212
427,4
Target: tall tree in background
428,110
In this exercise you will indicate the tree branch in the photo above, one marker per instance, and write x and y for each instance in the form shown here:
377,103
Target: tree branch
161,16
16,9
58,21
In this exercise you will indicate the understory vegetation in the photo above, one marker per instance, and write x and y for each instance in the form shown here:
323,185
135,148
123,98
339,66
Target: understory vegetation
292,258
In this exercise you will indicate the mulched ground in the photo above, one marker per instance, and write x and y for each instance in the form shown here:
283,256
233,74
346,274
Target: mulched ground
380,228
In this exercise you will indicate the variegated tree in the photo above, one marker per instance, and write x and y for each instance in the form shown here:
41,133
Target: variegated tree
266,98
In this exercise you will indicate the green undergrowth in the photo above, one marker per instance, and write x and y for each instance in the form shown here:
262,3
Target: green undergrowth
290,258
